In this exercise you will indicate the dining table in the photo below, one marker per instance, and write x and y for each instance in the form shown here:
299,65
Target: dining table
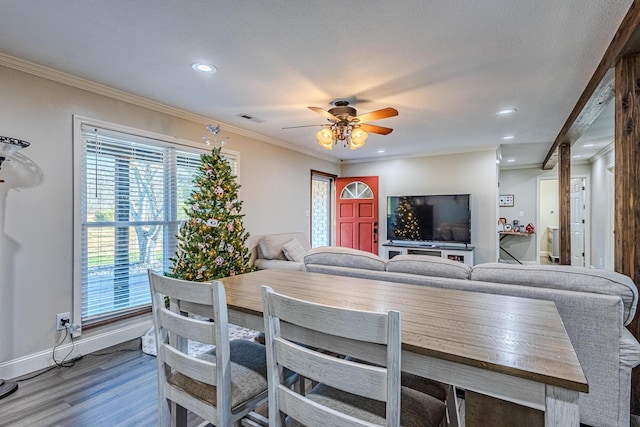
509,348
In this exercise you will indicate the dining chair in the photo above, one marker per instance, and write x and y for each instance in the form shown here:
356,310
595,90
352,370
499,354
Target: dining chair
221,386
348,393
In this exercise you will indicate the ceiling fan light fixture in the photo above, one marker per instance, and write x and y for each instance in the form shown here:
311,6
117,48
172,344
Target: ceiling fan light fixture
325,138
345,126
358,138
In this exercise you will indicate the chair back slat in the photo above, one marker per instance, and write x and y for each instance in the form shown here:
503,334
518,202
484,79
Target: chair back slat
197,369
183,290
372,326
193,329
372,353
312,414
357,378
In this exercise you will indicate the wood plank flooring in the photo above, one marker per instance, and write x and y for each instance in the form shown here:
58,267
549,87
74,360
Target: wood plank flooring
115,387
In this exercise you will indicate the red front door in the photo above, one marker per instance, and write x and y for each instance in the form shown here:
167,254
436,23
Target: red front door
357,213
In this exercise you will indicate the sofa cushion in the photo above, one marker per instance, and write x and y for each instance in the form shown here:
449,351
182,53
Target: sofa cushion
563,277
265,264
428,266
293,250
344,257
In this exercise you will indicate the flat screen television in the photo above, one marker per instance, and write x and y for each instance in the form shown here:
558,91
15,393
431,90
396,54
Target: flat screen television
429,218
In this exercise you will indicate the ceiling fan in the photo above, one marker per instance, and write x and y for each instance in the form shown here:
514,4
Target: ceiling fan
346,126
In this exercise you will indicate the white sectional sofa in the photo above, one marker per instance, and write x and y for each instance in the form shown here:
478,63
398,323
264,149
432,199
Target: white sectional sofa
595,306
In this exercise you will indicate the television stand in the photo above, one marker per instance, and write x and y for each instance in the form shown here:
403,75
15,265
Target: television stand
457,253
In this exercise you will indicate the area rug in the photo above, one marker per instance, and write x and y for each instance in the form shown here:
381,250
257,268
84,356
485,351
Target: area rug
195,348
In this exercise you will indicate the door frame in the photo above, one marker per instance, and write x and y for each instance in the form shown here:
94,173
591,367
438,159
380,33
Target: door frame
332,208
367,180
587,213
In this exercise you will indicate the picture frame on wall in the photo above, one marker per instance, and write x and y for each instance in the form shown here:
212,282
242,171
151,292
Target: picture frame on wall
505,200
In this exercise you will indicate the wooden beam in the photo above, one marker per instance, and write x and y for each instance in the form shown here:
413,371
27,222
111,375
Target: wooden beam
564,184
627,186
598,90
598,100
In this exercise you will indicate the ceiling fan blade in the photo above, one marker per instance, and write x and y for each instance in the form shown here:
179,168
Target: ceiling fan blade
376,115
324,113
305,126
376,129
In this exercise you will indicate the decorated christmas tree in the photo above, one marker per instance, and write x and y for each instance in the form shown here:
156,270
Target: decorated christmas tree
211,242
406,224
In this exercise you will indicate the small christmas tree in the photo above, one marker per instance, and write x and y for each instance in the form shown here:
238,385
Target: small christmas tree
211,243
406,224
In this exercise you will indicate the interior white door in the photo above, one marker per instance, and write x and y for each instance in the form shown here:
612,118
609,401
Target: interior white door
577,221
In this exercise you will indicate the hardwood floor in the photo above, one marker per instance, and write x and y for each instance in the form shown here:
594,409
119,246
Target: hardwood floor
115,387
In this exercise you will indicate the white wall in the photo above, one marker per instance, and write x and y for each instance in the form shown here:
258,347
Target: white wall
36,205
603,208
473,173
549,215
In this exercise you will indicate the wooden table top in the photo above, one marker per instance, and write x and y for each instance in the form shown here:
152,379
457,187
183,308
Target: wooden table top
516,336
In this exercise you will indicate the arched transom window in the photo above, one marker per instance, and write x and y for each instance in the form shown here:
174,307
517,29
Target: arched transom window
356,190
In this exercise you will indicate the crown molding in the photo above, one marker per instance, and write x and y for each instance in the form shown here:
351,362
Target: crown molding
483,148
97,88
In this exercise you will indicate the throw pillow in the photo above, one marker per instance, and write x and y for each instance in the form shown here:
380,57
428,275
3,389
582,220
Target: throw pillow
293,250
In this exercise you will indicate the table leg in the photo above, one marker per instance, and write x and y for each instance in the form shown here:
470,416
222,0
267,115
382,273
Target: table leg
562,407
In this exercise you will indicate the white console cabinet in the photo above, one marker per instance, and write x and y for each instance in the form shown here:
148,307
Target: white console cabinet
456,253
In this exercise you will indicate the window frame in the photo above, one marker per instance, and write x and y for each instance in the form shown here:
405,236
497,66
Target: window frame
330,179
152,138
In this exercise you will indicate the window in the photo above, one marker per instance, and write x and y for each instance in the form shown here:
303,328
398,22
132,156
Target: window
131,199
356,190
321,209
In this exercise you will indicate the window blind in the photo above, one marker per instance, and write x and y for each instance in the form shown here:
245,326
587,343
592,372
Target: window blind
133,194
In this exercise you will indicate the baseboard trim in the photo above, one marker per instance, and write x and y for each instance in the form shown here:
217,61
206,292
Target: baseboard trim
88,343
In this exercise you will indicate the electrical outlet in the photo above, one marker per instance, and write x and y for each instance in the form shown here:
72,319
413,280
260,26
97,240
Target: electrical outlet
60,317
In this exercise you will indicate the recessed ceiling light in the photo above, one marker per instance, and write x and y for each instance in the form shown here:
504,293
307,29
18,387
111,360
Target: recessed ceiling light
204,68
511,160
380,151
576,156
589,145
507,137
506,111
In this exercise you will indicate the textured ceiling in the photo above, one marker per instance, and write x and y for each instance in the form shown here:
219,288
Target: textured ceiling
446,66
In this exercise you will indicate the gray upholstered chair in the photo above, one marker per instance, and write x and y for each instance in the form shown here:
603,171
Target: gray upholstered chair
221,386
348,393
